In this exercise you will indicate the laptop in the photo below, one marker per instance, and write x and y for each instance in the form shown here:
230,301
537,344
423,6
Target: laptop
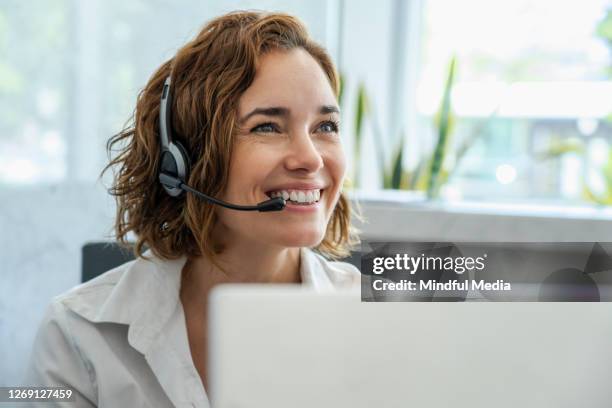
288,346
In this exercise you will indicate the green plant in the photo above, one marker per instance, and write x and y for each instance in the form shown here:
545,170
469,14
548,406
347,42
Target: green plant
605,197
393,176
604,31
559,148
445,122
431,172
361,111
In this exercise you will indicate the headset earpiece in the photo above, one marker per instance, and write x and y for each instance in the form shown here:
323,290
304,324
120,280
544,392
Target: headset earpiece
185,157
174,157
175,162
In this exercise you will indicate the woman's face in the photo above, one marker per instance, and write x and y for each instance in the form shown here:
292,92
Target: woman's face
288,144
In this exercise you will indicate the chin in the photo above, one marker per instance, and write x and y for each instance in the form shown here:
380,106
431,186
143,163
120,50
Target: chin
302,238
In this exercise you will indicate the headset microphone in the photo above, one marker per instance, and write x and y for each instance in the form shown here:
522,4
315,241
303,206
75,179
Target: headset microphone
174,166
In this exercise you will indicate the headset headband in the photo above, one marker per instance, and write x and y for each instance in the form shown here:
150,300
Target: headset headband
165,115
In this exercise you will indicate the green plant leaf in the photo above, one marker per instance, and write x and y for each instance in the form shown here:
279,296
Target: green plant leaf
396,168
444,123
607,172
558,148
604,28
341,89
413,178
361,110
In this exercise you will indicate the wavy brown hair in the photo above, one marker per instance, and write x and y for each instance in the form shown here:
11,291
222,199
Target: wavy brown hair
209,74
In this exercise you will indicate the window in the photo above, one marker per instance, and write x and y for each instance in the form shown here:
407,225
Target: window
34,77
531,98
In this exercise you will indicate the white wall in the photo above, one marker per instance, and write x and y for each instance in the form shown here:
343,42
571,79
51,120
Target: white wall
43,229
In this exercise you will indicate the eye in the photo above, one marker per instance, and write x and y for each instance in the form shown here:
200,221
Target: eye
267,127
330,126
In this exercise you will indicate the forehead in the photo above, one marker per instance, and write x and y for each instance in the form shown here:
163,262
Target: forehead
288,78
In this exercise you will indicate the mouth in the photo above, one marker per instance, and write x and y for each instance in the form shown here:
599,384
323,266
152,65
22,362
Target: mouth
298,197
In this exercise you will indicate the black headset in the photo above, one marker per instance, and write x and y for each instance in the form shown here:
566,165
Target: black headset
175,164
174,157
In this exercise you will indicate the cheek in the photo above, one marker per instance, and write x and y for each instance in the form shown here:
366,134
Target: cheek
336,163
250,164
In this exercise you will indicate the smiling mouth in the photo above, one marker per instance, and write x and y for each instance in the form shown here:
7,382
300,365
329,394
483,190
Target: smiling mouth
299,197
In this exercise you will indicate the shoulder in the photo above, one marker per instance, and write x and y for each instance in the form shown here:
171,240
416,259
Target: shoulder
89,298
57,357
69,315
341,274
83,299
101,282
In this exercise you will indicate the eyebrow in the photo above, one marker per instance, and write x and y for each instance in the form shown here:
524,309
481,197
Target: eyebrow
284,112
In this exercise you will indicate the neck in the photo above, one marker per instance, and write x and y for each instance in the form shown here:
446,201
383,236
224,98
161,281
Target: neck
250,262
241,262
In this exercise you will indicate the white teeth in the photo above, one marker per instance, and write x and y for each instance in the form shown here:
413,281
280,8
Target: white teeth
298,196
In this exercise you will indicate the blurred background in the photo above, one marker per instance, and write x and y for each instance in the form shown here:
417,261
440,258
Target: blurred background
476,120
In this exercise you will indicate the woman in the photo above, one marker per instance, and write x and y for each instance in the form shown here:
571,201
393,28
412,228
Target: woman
253,103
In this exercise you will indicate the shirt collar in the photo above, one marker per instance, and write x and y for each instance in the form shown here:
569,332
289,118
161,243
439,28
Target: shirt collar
144,293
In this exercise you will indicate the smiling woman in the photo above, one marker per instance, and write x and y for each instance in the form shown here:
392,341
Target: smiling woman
254,107
288,143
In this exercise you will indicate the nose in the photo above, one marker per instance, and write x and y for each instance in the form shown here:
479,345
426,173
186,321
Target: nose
304,155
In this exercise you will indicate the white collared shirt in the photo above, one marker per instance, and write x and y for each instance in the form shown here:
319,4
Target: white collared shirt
120,340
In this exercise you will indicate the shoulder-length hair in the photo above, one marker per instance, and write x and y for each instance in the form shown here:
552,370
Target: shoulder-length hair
209,74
